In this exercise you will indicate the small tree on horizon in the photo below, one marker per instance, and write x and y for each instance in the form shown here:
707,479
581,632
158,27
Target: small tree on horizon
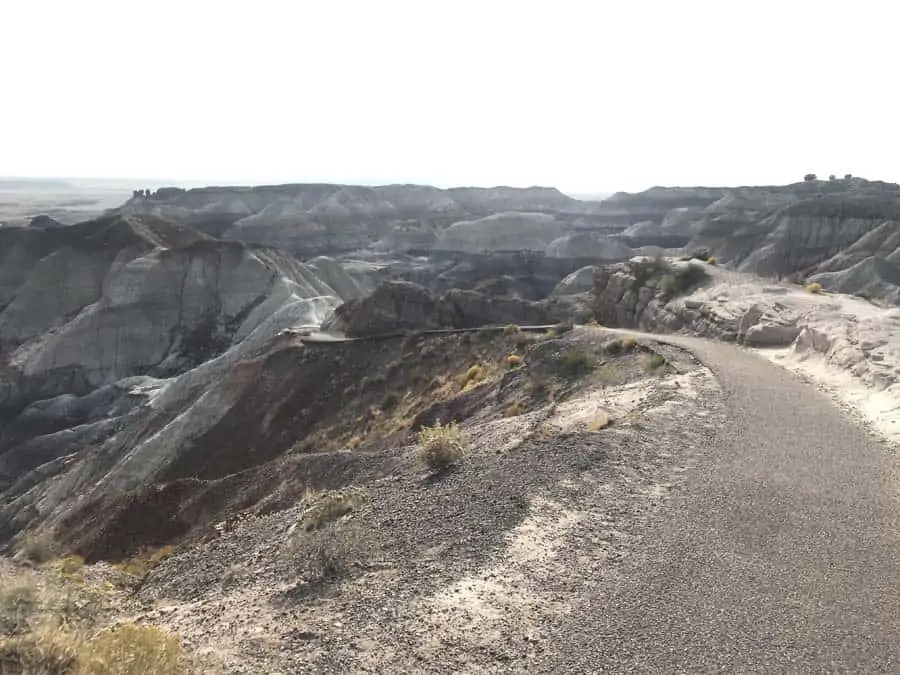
809,177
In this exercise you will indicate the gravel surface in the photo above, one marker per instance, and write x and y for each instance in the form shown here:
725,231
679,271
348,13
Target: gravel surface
466,572
737,524
781,554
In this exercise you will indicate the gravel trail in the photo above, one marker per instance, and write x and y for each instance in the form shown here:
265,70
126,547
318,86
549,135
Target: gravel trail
781,553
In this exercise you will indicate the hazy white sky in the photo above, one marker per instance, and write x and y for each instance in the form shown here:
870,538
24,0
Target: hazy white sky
593,95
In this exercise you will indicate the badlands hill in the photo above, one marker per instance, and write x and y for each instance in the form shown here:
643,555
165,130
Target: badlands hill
118,334
157,388
846,230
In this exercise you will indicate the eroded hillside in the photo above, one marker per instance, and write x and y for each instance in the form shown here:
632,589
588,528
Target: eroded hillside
842,233
305,532
184,414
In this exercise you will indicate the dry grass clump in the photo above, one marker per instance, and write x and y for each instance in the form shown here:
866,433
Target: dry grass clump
513,360
46,650
329,554
18,603
38,546
130,649
515,410
390,401
472,376
653,363
46,628
143,562
331,506
608,375
619,345
538,386
814,287
440,446
613,346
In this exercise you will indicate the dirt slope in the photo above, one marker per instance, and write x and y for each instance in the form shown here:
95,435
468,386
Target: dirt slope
465,572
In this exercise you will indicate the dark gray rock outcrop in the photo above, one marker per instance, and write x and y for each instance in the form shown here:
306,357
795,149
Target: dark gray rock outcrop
399,306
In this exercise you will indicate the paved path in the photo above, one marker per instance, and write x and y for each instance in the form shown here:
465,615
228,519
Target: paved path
780,555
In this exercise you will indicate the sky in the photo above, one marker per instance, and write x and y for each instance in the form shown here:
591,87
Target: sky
586,96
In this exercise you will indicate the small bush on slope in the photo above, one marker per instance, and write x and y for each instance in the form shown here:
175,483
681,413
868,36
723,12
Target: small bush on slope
472,376
330,553
442,445
330,507
682,280
653,363
322,559
576,362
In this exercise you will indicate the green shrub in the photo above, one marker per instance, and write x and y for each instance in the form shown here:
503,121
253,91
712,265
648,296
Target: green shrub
614,347
653,363
538,386
576,362
682,279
